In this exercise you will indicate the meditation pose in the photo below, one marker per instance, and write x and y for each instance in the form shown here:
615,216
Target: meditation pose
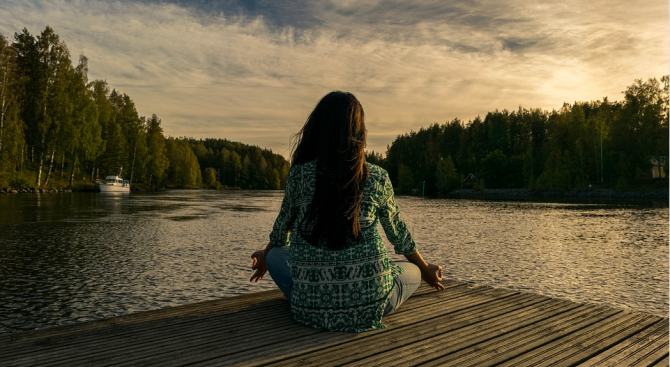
325,251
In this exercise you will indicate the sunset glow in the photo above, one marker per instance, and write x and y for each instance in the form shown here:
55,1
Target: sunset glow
251,71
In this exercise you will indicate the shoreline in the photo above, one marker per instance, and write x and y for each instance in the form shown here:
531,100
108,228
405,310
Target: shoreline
528,194
458,194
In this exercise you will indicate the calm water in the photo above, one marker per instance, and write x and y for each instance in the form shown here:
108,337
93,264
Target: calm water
67,258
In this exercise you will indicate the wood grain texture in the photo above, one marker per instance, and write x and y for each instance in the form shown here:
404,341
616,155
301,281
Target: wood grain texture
465,325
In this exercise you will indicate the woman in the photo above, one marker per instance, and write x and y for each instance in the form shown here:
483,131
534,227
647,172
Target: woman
325,251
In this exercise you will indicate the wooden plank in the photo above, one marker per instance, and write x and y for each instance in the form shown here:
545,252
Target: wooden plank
111,346
663,362
638,347
302,338
226,305
107,345
120,347
524,342
379,342
508,335
300,344
113,337
570,348
464,325
450,341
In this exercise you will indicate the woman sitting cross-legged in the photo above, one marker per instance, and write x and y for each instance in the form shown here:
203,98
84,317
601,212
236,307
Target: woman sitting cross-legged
325,251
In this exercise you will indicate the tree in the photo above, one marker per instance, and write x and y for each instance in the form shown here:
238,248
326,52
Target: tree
12,139
85,129
494,169
639,130
405,179
375,158
50,62
184,170
100,95
446,176
209,178
7,82
157,151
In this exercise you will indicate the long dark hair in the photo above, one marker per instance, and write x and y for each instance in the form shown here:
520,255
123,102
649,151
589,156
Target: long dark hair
334,135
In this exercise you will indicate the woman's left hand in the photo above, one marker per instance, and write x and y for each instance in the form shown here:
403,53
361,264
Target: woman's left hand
432,275
259,265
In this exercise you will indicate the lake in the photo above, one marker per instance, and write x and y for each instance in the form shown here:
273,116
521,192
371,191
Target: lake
67,258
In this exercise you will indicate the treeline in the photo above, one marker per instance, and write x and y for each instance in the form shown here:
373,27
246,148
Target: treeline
604,144
55,125
233,164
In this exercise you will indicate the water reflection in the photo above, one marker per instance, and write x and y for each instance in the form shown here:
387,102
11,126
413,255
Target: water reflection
614,254
67,258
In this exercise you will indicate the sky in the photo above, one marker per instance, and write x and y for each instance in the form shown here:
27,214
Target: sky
252,71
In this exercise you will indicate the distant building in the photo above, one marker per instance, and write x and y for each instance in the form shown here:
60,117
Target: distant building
658,167
470,180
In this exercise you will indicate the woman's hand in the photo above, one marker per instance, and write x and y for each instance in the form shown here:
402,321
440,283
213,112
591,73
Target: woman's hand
259,265
432,274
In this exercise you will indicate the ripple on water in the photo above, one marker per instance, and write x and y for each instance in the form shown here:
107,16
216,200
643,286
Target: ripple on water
99,257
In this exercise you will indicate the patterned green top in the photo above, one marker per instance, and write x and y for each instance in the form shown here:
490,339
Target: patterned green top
344,290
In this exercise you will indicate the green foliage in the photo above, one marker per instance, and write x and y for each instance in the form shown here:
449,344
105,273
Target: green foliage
494,169
57,127
157,158
183,170
446,176
611,144
209,179
19,182
241,165
375,158
12,139
53,120
405,181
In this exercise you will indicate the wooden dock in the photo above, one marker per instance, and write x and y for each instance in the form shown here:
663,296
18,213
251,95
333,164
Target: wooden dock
465,325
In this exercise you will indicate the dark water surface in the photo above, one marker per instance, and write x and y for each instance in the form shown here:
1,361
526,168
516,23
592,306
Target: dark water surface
67,258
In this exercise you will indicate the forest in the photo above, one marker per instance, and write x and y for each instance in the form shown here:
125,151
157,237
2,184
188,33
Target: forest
58,129
600,144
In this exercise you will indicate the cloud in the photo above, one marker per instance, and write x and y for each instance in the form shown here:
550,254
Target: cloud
252,70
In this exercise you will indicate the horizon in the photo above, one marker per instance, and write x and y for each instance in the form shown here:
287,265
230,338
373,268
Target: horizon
251,71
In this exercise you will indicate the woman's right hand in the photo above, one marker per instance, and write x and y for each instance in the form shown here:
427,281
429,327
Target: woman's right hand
258,265
432,274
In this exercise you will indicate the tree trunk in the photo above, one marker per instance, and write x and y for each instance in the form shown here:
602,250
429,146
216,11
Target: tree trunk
595,154
21,161
2,114
41,163
39,170
51,164
74,163
3,104
132,165
62,165
602,167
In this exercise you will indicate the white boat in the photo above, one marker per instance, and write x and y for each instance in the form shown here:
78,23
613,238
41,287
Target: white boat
114,184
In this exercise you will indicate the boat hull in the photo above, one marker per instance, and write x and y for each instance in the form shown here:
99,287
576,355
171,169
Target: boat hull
114,188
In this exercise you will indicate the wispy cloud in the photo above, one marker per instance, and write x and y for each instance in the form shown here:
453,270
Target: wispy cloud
252,70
